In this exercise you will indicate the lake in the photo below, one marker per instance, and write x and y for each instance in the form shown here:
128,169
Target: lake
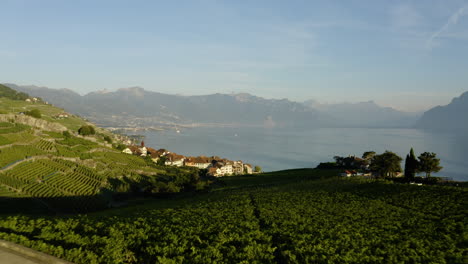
278,149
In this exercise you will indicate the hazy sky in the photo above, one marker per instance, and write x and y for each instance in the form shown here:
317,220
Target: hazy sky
406,54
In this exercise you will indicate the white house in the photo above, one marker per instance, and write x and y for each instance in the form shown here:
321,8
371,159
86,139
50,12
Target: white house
143,151
226,169
127,151
173,159
198,162
214,171
248,168
220,168
62,115
238,167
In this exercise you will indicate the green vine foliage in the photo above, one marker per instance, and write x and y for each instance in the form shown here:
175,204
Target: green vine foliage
304,220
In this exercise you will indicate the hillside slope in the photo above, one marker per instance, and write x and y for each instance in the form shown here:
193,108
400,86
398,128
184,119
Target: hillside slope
46,163
452,117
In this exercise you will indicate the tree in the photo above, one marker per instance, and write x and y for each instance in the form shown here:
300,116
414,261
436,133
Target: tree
161,161
339,160
34,113
367,158
350,162
108,139
386,164
411,165
368,155
258,169
86,130
429,163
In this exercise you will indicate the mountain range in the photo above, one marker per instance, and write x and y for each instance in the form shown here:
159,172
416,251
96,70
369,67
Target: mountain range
365,114
452,117
137,107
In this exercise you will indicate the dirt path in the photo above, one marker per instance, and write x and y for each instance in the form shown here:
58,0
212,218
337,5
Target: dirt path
9,257
11,253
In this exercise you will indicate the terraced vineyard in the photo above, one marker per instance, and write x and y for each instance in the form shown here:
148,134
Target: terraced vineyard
8,128
67,170
45,145
17,153
7,193
24,137
54,167
4,140
30,172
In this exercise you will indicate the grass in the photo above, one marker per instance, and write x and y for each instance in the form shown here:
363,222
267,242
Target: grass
48,112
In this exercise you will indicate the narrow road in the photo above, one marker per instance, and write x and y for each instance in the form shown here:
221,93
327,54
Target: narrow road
9,257
11,253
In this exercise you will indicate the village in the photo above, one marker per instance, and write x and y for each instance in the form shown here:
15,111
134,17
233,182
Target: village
215,166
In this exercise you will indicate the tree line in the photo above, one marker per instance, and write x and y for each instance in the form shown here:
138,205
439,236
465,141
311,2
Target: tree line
388,164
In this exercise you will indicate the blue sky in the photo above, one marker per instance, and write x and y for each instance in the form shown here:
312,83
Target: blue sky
407,54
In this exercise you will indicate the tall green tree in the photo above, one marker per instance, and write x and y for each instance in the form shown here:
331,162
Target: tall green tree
411,165
428,163
368,155
386,164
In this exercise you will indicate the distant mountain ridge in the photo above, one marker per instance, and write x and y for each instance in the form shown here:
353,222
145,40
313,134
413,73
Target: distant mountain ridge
452,117
137,107
365,114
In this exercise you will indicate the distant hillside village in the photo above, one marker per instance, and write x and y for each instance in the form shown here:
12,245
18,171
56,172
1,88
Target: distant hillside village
214,165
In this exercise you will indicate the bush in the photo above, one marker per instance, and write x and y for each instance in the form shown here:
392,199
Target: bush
108,139
120,146
66,134
86,130
34,113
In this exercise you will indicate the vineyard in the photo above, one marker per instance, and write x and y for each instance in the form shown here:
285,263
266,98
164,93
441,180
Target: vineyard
6,128
285,217
17,153
296,216
73,174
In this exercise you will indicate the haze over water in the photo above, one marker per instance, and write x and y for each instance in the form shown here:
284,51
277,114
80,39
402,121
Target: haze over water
278,149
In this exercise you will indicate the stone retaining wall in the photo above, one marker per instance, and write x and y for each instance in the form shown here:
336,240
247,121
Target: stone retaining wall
34,122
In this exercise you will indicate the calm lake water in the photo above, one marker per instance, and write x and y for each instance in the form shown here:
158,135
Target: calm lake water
277,149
